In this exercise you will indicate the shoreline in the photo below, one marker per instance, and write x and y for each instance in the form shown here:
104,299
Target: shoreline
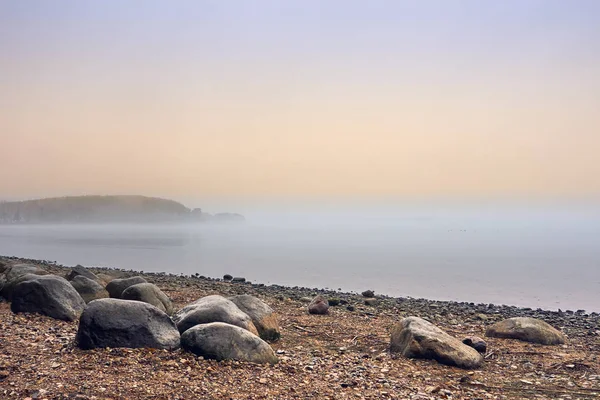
343,355
397,260
301,291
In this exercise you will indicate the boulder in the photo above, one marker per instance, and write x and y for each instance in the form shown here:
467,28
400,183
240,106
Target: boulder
14,275
416,338
318,305
80,270
526,329
116,286
125,323
148,293
221,341
7,288
368,294
476,342
48,295
263,317
88,289
209,309
227,277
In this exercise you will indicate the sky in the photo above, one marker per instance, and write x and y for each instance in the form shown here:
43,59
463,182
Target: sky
300,99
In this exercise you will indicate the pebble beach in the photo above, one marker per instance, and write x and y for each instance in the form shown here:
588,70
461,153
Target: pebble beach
342,355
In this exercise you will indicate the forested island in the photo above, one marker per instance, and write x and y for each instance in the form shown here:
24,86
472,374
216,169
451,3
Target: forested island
105,209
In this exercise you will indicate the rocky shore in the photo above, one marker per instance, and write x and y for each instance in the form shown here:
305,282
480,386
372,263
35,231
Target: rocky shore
342,354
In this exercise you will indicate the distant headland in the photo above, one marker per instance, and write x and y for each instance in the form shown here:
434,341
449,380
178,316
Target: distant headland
105,209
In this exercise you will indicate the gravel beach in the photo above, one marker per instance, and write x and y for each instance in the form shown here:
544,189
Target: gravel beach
342,355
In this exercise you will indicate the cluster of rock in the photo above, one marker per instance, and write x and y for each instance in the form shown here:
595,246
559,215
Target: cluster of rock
30,289
320,304
133,313
228,328
415,337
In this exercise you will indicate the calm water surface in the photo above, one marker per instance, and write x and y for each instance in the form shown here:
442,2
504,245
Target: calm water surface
548,259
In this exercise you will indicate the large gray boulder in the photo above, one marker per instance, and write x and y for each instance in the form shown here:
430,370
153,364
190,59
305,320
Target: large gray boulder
48,295
80,270
221,341
88,289
13,274
319,305
125,323
416,338
148,293
116,287
209,309
526,329
263,317
9,285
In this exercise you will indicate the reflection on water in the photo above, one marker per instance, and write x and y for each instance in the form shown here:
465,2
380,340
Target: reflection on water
120,236
123,242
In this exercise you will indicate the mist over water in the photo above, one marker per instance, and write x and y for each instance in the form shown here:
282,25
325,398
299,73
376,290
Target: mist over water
542,257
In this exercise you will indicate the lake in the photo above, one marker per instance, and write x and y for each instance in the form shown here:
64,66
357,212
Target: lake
536,258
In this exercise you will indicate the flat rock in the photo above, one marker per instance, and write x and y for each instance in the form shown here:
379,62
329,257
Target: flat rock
126,323
116,287
263,317
221,341
48,295
209,309
149,293
526,329
416,338
88,289
318,305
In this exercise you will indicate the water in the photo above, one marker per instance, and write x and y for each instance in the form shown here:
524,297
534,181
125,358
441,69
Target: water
548,259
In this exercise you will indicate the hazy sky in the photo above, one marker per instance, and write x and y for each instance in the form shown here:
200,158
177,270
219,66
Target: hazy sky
242,99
